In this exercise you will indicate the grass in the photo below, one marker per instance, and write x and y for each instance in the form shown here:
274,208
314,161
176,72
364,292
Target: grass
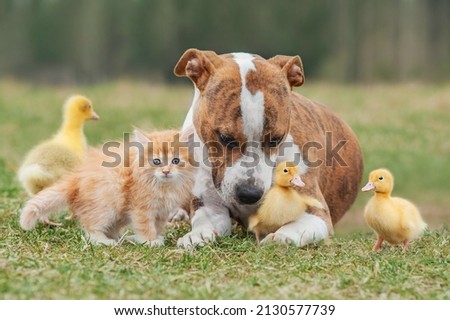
402,127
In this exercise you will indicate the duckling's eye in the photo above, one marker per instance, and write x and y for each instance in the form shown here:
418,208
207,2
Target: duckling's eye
156,162
285,170
380,178
176,160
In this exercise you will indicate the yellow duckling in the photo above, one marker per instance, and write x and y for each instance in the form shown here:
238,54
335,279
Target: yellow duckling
48,161
282,203
393,219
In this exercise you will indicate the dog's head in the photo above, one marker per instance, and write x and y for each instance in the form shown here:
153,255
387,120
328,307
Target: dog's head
241,114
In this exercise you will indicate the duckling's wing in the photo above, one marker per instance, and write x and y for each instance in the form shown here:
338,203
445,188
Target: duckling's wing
311,202
54,155
410,219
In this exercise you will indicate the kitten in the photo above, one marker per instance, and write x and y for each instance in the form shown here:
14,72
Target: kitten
141,191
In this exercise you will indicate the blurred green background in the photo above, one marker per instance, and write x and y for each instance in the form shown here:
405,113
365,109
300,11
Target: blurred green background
383,66
344,40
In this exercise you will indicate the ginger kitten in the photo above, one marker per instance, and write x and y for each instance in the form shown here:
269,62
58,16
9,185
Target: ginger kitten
141,190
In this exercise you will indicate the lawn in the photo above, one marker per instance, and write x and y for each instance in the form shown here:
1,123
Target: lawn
402,127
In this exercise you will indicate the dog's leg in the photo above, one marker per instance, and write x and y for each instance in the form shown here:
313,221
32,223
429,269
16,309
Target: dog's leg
207,223
306,229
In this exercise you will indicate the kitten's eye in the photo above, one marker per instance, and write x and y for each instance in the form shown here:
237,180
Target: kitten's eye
286,170
380,178
156,162
175,160
275,141
228,141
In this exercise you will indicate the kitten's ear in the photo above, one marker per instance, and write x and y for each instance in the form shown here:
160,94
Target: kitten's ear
140,136
187,134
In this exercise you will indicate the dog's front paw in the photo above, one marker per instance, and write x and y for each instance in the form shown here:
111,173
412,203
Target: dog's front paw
280,237
294,238
307,229
196,238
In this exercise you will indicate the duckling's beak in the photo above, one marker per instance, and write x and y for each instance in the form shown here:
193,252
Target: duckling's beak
297,181
369,186
95,116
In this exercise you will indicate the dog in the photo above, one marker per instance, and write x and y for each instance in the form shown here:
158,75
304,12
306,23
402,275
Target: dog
246,119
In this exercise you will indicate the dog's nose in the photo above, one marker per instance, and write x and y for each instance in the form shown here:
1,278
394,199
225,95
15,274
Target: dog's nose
248,194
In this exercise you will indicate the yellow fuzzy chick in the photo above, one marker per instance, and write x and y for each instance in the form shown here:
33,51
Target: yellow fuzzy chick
393,219
48,161
282,203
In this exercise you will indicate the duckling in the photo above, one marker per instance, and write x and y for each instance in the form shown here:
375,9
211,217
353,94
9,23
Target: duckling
48,161
393,219
282,203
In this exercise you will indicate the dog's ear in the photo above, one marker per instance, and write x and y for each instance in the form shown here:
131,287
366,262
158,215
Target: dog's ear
292,67
198,66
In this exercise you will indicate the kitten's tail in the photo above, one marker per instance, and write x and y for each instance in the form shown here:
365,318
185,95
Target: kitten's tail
43,204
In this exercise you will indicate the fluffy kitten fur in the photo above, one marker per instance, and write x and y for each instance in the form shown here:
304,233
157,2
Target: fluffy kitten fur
106,199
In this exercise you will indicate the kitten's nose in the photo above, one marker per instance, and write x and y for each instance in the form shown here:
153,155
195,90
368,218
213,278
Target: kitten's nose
166,171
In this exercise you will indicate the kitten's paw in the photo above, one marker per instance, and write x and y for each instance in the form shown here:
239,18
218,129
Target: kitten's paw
28,219
159,242
179,215
106,242
196,238
133,239
99,238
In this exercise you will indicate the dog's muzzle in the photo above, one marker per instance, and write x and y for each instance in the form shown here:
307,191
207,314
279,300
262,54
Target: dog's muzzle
246,194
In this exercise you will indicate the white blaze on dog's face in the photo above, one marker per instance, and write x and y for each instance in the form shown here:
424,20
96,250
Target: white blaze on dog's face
242,118
250,176
252,105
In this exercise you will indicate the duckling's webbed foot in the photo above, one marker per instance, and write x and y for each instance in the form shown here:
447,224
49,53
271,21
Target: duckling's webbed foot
377,245
405,245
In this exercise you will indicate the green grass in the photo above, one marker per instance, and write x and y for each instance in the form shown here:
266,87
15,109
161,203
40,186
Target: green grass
402,127
50,263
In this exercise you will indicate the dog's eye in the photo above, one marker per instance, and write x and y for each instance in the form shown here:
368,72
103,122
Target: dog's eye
286,170
156,162
380,178
228,141
175,160
275,141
